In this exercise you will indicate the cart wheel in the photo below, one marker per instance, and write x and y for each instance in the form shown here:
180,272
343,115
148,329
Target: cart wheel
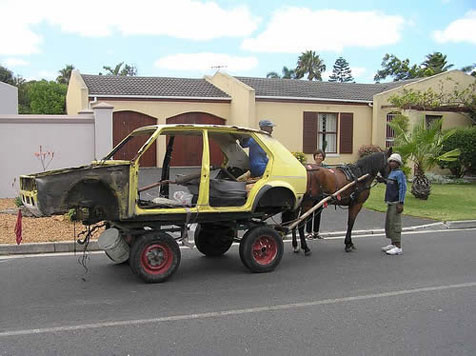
261,249
154,257
213,240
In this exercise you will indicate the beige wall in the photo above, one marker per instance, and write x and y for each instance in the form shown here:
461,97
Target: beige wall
443,82
165,109
77,95
289,118
242,108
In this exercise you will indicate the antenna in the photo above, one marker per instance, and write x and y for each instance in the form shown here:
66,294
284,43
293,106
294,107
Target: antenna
218,67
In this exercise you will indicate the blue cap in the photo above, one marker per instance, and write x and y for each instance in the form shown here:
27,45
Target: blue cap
266,123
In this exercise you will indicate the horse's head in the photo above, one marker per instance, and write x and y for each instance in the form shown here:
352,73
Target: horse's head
385,170
315,177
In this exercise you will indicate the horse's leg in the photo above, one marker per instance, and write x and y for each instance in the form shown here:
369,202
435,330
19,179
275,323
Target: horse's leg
287,216
295,244
353,211
302,237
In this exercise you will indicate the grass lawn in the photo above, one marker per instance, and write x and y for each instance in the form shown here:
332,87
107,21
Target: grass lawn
446,202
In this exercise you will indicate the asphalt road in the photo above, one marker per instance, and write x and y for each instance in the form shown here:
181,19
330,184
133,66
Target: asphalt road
331,303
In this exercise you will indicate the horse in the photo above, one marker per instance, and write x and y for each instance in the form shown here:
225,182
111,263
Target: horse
322,182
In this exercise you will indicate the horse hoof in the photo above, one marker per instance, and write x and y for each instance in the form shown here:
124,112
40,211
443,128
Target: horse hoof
307,252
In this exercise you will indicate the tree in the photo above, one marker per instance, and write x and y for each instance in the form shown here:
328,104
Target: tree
465,140
341,72
128,70
47,97
424,147
6,76
65,74
435,63
471,69
311,64
287,74
396,68
401,70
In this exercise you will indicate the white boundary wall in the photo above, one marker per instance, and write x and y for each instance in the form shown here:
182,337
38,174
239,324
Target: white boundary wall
74,139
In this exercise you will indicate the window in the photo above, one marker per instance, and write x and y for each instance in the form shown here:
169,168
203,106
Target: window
327,132
390,133
429,119
320,130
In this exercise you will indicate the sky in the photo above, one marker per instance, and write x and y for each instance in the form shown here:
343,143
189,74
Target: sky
192,38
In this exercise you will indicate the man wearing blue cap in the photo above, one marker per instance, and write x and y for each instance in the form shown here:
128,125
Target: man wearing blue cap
258,158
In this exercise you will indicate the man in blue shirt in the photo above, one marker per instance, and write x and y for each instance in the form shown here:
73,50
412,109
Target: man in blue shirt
258,157
395,198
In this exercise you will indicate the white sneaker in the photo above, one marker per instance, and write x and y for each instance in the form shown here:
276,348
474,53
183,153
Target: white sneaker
394,251
388,247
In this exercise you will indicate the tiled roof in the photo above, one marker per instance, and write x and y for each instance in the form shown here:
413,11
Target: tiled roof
305,89
105,85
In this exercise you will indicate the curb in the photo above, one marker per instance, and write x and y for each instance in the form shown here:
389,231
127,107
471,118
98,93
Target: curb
70,246
46,247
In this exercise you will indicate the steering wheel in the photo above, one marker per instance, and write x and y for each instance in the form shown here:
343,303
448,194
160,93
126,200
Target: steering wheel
225,171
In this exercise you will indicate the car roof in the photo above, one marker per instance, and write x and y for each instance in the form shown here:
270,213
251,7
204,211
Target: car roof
200,127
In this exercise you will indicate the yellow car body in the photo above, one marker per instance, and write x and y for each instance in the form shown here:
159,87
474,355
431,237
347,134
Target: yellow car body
281,187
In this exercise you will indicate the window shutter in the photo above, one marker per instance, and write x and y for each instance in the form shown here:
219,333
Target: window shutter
309,132
346,132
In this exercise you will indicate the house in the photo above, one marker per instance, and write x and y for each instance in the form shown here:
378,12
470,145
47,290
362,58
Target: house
8,99
344,115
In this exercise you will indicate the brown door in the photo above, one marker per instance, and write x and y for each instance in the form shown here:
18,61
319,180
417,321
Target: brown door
123,123
187,151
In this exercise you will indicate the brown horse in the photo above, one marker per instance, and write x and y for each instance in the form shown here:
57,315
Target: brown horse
322,182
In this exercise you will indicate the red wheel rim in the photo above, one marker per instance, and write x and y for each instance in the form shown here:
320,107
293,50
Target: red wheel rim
264,250
157,258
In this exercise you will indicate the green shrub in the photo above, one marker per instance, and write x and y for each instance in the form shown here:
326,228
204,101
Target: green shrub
300,156
465,139
18,202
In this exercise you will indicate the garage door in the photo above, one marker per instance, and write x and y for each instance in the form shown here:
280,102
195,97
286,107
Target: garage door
186,150
123,123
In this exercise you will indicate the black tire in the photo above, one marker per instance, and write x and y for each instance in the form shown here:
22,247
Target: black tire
261,249
154,257
213,240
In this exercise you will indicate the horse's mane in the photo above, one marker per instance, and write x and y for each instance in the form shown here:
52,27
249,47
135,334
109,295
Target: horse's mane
371,164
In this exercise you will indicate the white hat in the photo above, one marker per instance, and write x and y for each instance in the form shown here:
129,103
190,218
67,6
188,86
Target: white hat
395,157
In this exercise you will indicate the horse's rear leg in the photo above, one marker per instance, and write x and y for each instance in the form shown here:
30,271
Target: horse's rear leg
353,211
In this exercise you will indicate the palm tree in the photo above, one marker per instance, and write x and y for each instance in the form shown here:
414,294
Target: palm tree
311,64
128,70
435,63
287,74
65,74
424,147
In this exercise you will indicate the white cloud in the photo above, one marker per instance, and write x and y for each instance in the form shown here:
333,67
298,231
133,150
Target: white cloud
43,74
358,72
206,61
15,62
187,19
461,30
293,29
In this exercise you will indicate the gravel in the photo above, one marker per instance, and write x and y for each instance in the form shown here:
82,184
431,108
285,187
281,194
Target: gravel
55,228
